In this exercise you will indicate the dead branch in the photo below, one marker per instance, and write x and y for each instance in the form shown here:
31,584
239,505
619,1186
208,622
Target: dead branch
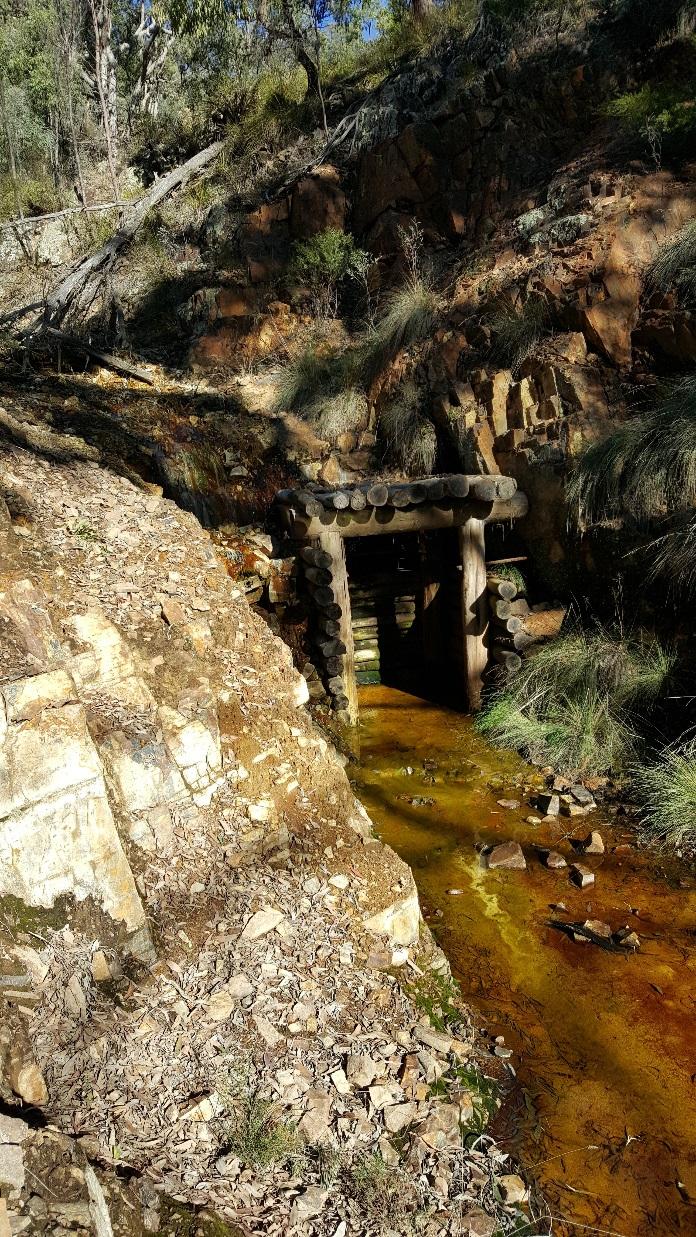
105,358
28,220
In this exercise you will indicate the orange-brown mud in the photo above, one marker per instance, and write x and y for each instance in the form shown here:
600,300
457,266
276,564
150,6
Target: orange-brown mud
602,1113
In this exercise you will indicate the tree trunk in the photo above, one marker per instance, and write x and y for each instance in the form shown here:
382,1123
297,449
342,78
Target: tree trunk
12,161
421,9
105,74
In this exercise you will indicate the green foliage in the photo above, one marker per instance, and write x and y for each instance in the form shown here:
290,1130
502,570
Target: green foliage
37,194
402,37
436,995
666,793
646,469
674,267
255,1131
507,571
326,261
516,330
660,118
385,1194
483,1091
408,436
577,704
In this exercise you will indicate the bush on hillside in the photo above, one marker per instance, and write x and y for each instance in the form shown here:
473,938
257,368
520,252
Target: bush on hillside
666,793
579,703
660,118
325,262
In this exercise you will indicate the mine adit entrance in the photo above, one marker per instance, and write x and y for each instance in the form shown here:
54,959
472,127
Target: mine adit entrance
396,577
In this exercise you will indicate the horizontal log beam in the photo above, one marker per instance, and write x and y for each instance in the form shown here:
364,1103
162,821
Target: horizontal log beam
370,523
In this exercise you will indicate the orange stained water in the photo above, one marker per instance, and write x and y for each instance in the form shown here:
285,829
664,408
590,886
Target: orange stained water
603,1112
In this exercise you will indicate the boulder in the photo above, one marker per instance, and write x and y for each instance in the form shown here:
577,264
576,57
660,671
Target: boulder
400,921
593,844
57,832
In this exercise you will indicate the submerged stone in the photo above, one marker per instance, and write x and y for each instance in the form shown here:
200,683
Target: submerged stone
507,855
581,876
553,859
593,844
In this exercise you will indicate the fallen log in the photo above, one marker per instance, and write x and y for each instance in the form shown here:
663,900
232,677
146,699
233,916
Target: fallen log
105,358
86,275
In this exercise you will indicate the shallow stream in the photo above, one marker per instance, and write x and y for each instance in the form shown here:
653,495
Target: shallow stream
603,1109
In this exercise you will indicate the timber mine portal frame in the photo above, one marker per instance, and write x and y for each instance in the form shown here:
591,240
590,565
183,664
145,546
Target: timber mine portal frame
320,521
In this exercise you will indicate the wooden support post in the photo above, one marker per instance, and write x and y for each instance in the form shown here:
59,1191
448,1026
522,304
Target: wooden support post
331,542
472,549
430,587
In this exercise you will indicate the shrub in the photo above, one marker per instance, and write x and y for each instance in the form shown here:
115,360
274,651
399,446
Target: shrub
516,330
660,118
409,437
324,262
646,469
674,267
577,703
666,792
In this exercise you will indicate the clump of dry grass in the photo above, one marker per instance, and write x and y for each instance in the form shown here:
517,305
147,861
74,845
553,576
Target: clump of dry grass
409,437
579,703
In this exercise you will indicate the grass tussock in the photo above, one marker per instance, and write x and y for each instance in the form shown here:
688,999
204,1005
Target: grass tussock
409,316
516,331
674,267
408,436
317,375
256,1134
666,792
343,413
314,374
386,1195
258,1137
645,470
578,703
